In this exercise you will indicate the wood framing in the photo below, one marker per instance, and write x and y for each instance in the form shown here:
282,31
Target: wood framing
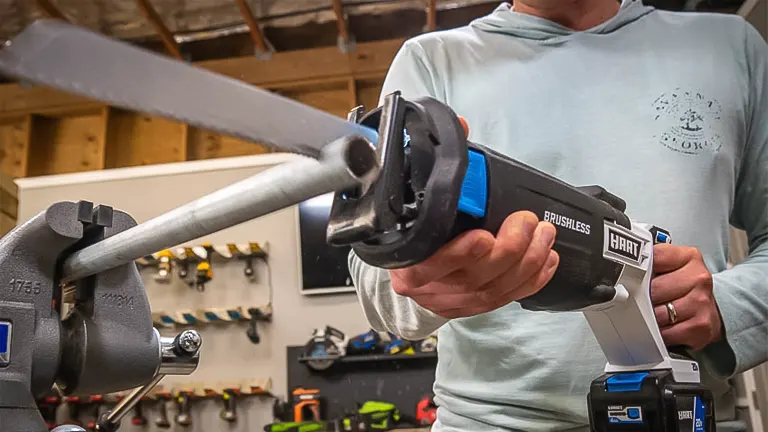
341,20
50,10
431,15
157,23
253,25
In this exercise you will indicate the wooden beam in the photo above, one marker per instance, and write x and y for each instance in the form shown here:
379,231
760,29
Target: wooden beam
341,20
352,89
314,64
431,15
253,25
165,35
50,10
370,60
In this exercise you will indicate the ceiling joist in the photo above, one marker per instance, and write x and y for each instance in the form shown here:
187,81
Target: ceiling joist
257,35
431,15
341,22
166,36
50,10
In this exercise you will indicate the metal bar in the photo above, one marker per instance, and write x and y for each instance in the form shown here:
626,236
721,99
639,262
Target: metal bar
127,403
253,25
344,163
154,18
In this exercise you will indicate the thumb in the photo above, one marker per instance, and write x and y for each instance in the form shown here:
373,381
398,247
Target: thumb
465,125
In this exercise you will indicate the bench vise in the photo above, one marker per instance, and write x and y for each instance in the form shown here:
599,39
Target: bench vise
91,336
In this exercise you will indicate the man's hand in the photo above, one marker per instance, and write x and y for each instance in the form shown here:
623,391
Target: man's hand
683,281
477,273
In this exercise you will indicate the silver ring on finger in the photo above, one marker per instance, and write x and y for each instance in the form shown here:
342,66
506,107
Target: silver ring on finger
671,313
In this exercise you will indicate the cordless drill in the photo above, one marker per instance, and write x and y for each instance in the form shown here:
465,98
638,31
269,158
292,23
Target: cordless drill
434,184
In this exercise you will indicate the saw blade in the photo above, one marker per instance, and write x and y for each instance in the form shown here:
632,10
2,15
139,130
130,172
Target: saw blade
76,60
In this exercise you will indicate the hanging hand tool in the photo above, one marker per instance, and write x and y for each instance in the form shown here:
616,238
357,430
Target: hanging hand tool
138,418
48,407
187,257
307,405
72,405
254,252
163,399
426,411
326,345
94,407
204,272
164,263
229,397
183,409
256,316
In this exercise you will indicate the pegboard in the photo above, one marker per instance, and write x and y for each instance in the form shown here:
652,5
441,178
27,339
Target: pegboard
227,353
398,379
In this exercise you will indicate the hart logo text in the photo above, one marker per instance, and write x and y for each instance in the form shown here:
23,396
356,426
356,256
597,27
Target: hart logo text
623,245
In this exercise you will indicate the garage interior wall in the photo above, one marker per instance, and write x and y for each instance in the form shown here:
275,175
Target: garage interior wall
227,354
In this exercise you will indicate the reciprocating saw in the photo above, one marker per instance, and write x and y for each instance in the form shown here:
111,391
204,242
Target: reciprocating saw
434,184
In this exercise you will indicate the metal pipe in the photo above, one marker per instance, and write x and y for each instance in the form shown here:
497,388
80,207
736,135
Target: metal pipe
111,420
344,163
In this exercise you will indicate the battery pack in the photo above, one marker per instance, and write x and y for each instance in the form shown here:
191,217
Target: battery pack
649,401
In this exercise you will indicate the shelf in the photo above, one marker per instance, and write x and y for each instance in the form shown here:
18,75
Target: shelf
371,357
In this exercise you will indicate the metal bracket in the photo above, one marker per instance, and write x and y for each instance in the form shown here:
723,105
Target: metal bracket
346,47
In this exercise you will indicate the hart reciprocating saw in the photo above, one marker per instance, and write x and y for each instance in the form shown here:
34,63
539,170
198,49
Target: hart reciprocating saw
434,185
399,198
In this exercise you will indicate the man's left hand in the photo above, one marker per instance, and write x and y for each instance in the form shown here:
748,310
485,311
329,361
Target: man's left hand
681,292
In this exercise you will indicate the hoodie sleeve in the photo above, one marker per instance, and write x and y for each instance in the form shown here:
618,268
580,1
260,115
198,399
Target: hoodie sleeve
384,309
742,291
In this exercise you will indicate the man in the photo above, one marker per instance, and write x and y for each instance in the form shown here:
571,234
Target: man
666,110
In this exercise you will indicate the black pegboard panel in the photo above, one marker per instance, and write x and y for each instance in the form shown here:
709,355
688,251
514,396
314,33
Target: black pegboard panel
402,381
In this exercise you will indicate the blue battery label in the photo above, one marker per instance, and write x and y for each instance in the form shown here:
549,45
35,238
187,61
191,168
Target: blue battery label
623,414
699,415
691,413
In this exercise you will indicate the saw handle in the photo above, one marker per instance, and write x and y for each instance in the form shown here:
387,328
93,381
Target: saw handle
583,277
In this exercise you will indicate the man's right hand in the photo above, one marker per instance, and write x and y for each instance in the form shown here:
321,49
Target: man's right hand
477,272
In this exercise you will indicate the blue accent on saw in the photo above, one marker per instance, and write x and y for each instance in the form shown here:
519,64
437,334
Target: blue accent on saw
626,382
662,238
474,189
633,413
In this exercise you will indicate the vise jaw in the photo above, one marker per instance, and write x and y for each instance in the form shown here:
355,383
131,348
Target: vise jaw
92,337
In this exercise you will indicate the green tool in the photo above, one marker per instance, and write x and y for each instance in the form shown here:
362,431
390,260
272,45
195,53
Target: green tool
379,415
311,426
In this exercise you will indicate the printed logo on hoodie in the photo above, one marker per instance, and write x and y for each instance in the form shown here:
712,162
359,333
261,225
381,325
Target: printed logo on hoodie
689,122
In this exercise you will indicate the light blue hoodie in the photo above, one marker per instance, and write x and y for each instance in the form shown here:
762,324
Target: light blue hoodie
668,111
